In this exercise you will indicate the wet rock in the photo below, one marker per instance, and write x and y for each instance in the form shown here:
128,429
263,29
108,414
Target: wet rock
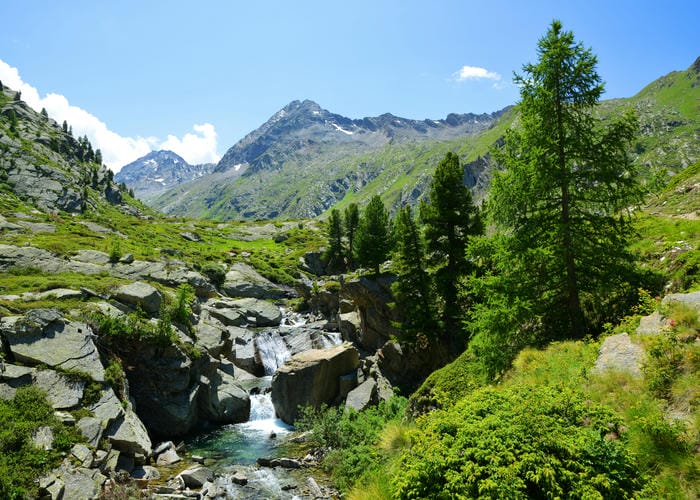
140,294
195,477
289,463
311,378
239,478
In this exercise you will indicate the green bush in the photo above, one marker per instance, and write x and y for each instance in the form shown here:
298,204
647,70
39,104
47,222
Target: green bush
519,442
215,273
350,437
20,461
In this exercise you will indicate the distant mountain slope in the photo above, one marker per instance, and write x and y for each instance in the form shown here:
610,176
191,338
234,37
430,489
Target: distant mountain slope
158,171
304,159
44,165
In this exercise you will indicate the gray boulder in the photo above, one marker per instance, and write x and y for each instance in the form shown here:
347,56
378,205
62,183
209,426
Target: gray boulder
222,400
363,396
63,393
263,313
244,281
195,477
108,409
214,337
129,435
12,377
91,428
311,378
140,294
619,353
43,336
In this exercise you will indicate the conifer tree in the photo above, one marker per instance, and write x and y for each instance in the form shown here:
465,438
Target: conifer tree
372,242
351,218
412,286
561,204
450,219
334,252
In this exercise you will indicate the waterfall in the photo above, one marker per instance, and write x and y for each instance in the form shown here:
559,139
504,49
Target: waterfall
261,407
330,339
272,350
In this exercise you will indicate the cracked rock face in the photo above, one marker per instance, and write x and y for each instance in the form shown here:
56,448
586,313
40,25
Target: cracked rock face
43,336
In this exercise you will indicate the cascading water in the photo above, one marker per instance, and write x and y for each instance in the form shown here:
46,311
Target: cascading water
272,350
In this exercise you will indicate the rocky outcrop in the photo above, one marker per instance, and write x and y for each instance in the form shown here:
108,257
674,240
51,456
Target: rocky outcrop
139,294
259,312
311,378
222,400
244,281
43,336
128,434
619,353
371,298
363,396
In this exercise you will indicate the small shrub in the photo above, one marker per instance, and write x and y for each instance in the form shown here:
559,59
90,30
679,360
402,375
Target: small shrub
215,273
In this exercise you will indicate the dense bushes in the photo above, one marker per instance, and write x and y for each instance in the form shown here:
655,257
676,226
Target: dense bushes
519,442
20,461
350,437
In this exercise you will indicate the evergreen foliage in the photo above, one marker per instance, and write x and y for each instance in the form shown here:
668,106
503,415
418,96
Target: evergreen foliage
351,219
334,251
450,219
372,243
519,442
563,265
412,291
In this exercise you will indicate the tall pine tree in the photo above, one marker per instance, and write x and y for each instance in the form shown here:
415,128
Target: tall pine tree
351,218
334,251
450,219
372,241
563,197
412,286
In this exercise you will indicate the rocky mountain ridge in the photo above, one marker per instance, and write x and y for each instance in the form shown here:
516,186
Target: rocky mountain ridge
158,171
44,164
304,159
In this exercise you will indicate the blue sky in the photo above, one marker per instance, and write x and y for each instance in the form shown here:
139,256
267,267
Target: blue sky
196,77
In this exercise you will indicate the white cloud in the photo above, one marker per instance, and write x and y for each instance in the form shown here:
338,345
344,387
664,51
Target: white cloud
199,147
117,151
475,73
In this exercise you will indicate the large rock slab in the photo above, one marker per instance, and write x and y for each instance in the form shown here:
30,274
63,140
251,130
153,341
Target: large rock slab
62,392
140,294
222,400
244,281
214,337
619,353
311,378
690,299
43,336
12,377
108,409
363,396
261,312
129,435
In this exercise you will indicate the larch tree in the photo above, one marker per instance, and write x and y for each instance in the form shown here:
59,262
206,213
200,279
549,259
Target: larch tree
562,201
351,218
